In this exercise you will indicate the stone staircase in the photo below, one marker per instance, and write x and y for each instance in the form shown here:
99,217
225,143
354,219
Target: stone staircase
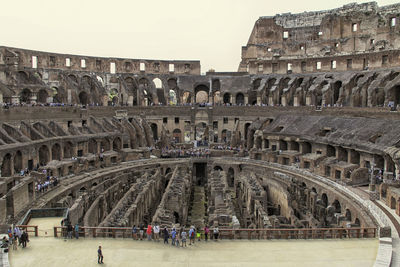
197,215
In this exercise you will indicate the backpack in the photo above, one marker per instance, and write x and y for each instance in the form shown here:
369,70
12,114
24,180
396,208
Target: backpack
192,234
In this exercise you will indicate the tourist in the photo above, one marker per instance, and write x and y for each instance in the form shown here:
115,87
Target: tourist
156,230
100,256
14,241
69,230
77,231
141,231
191,235
24,239
148,232
173,236
216,233
134,232
183,236
166,235
206,231
198,236
177,239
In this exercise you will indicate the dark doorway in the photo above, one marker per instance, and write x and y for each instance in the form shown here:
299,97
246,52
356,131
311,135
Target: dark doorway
201,174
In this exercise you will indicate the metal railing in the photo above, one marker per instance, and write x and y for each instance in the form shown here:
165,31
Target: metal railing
300,233
29,229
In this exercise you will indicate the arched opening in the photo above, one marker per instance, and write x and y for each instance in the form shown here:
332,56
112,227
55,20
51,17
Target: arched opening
18,162
176,217
217,97
92,146
105,145
337,206
83,189
324,199
330,151
42,96
187,98
68,150
217,168
246,130
117,145
227,98
336,92
394,95
56,152
6,166
201,94
240,99
224,136
177,136
154,129
43,155
172,97
57,98
83,98
307,148
157,83
231,177
348,215
355,157
392,203
168,170
283,145
357,222
25,96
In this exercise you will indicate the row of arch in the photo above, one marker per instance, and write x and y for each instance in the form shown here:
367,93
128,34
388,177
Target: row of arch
13,163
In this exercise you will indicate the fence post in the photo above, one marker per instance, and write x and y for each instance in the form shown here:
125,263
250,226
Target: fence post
36,231
55,231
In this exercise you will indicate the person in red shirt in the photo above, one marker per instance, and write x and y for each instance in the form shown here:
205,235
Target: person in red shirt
148,232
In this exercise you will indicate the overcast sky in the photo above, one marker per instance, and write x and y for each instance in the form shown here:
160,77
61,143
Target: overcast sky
212,31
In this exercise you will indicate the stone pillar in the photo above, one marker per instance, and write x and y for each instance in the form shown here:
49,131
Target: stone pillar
233,99
69,96
258,100
296,102
192,133
1,98
283,101
246,99
48,100
270,101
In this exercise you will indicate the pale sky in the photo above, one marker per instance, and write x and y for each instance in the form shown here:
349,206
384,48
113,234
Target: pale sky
212,31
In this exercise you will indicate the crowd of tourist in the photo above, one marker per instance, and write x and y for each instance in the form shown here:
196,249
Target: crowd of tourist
185,153
177,236
15,237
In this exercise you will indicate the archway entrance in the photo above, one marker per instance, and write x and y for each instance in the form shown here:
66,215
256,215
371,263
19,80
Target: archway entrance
25,96
201,94
240,99
42,96
83,98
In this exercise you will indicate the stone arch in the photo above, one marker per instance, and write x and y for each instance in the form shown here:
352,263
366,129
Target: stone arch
68,150
131,89
73,78
57,96
154,130
227,98
330,151
105,144
357,222
42,96
392,202
239,99
177,135
6,166
56,152
92,146
224,136
336,92
25,96
337,206
157,83
283,145
172,97
83,98
201,93
187,98
44,155
348,215
18,162
117,144
393,95
307,148
217,168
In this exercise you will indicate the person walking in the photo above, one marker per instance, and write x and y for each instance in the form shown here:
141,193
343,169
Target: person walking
69,230
191,235
148,232
141,231
100,256
156,230
166,235
77,231
134,232
216,233
173,236
206,231
183,237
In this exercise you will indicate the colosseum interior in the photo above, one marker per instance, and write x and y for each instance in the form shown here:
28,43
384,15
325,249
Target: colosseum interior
304,136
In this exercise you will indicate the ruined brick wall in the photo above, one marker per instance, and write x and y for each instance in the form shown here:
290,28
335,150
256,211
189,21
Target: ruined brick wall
355,36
